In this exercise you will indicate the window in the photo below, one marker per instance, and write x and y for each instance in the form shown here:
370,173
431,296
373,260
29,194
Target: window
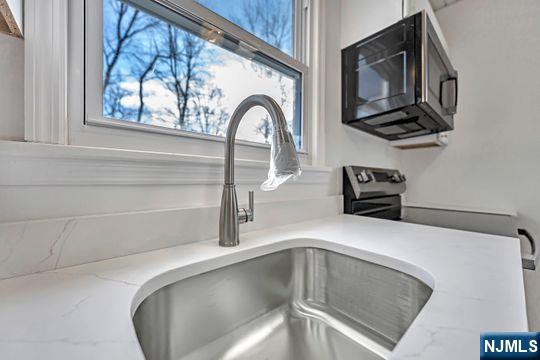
164,66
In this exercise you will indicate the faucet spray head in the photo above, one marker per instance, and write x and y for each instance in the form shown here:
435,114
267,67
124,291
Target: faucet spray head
284,162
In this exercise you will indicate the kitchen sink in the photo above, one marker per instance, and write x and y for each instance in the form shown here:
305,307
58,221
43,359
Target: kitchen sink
301,303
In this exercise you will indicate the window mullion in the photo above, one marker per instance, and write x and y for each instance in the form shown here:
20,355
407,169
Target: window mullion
46,71
195,10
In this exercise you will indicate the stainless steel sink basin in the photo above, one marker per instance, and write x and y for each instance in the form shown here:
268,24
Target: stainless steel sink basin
301,303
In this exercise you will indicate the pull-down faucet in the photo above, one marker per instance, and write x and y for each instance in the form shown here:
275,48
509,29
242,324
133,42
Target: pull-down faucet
283,156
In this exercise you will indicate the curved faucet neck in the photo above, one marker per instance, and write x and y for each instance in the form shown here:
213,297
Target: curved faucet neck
279,125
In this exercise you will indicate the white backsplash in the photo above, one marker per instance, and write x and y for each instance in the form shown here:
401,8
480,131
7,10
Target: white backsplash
41,245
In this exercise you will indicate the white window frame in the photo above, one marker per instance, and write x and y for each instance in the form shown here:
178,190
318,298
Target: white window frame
92,129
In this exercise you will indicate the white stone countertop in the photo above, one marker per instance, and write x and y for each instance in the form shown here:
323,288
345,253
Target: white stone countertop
84,312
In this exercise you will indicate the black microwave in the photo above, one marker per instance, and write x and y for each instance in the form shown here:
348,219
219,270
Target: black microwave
399,83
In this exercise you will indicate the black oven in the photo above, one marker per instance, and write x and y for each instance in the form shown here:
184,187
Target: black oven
373,192
399,83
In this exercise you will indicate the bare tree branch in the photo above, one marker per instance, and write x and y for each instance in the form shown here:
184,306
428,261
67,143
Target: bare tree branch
142,78
183,71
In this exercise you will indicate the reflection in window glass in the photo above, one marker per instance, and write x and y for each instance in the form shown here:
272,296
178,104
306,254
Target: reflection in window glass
270,20
157,73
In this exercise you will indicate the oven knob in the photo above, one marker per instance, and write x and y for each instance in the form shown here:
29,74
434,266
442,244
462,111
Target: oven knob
363,177
403,178
395,178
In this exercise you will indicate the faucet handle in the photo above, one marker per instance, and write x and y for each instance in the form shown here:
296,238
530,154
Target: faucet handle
251,196
246,215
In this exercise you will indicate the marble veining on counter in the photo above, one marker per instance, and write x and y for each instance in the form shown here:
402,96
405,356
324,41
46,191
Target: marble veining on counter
84,312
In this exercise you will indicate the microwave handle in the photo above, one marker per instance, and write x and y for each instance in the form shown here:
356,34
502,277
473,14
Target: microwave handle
456,93
451,109
456,97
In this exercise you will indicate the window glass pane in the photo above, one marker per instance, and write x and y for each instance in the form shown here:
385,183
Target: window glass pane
185,77
270,20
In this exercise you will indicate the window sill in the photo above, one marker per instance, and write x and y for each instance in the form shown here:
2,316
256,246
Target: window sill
34,164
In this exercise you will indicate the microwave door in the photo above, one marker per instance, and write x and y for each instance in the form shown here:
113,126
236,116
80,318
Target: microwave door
378,73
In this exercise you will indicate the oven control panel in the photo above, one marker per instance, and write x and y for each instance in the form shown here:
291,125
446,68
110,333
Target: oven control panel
367,181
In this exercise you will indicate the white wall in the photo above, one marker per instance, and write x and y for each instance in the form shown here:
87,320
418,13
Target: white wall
492,161
11,88
360,19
